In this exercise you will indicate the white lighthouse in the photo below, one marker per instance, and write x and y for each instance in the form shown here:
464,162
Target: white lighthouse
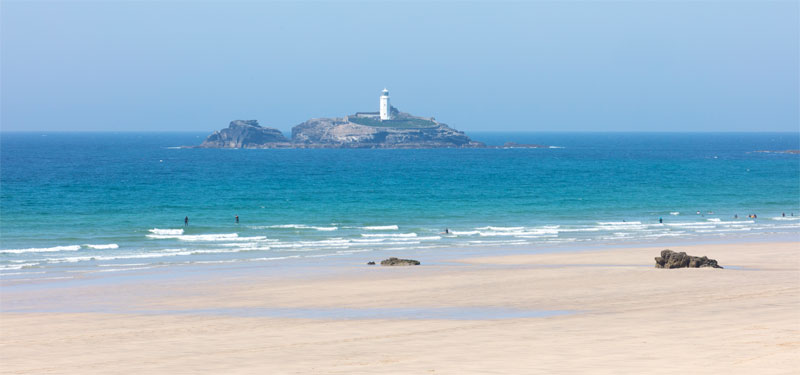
386,108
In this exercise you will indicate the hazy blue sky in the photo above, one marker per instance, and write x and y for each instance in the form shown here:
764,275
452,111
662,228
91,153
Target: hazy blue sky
537,66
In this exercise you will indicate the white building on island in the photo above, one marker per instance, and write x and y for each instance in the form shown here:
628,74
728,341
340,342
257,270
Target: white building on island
386,108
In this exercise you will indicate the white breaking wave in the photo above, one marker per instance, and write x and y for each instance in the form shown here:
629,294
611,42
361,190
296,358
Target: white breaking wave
41,250
379,235
166,232
714,219
381,227
301,226
501,229
464,233
676,213
17,266
619,222
100,247
208,237
785,218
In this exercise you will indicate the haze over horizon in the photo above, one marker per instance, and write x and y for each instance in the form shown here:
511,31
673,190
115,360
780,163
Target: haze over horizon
538,66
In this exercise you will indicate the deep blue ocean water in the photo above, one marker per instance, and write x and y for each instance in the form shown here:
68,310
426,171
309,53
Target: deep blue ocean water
76,203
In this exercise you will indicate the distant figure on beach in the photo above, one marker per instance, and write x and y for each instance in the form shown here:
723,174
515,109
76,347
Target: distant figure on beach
237,219
186,221
660,220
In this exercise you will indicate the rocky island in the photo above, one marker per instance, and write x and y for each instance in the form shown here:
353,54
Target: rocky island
388,128
404,131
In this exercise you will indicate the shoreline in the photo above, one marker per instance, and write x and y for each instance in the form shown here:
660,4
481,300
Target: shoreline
600,311
433,255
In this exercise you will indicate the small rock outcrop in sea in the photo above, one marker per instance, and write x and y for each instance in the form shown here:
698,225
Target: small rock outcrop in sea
370,263
246,134
399,262
672,259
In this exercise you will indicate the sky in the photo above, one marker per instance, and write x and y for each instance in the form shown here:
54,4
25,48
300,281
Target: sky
477,66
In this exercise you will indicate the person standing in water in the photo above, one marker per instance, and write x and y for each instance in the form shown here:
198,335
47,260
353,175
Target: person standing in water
660,220
186,221
237,219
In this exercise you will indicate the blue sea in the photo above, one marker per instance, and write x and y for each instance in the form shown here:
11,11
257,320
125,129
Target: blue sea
77,204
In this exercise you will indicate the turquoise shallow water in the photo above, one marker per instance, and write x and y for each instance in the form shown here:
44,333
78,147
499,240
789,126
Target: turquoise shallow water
76,203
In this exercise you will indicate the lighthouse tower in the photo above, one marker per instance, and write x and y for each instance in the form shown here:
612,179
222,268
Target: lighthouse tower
386,108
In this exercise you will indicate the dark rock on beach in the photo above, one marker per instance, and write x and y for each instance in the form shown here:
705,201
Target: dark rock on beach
399,262
672,259
370,263
246,134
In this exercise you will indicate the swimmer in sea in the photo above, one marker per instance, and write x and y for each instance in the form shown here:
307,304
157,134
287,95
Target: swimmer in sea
237,219
660,220
186,221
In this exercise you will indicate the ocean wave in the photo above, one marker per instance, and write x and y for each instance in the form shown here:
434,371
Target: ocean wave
465,233
301,226
381,227
520,233
619,222
785,218
21,273
675,213
114,257
397,235
17,266
714,220
41,250
126,269
501,229
218,237
166,232
101,247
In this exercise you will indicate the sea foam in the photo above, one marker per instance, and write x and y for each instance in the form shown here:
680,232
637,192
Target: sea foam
381,227
100,247
41,250
166,232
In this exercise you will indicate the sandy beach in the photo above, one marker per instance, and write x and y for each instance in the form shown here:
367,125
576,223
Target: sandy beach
602,311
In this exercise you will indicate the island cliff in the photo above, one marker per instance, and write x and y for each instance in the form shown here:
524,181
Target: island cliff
356,131
245,134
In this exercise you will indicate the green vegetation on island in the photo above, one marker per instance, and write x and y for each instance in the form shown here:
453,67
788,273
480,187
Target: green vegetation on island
412,122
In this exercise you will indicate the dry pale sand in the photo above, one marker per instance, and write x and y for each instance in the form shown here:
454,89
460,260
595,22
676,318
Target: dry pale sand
631,319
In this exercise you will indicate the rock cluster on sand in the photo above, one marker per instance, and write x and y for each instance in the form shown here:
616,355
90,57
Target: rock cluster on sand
399,262
671,259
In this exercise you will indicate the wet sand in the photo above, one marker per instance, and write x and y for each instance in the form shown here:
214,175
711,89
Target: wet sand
605,311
